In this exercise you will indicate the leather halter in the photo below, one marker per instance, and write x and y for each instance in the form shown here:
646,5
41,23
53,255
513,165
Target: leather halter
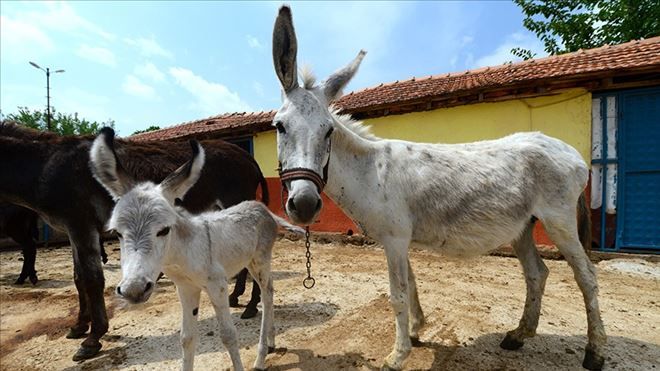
307,174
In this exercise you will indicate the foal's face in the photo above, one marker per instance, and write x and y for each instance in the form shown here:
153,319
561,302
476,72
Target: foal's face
144,214
304,123
143,219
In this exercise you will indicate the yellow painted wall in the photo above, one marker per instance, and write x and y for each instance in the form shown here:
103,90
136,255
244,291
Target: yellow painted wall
265,152
566,116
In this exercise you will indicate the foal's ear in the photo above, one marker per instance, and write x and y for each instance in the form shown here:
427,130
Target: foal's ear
332,87
182,179
285,48
106,167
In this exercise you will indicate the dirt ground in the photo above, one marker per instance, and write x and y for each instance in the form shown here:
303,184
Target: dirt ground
345,321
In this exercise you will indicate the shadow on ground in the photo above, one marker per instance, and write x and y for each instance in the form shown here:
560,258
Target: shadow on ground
168,348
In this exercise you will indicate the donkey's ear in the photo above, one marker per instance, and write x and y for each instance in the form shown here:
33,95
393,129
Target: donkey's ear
106,167
182,179
332,87
285,48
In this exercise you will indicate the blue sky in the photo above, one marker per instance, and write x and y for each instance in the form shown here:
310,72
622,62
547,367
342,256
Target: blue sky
163,63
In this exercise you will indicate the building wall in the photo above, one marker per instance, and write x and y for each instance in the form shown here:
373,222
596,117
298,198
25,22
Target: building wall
566,116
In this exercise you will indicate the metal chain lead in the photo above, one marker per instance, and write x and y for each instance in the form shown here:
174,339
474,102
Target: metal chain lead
309,281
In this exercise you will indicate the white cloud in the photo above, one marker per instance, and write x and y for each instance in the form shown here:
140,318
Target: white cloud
62,17
149,47
210,98
258,88
86,104
21,40
134,86
253,42
97,54
502,53
149,71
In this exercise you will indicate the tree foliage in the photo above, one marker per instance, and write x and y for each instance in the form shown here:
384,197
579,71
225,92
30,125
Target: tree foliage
61,123
150,128
568,25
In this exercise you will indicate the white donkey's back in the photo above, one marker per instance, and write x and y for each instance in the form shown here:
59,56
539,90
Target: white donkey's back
467,199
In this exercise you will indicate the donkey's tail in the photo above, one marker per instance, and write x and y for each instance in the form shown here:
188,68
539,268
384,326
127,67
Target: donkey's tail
265,197
286,225
584,223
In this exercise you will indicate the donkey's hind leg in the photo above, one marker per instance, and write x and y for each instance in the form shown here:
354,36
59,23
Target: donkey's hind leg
536,274
563,231
217,291
262,275
416,313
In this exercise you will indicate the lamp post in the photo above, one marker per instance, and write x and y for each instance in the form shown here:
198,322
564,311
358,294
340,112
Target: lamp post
47,70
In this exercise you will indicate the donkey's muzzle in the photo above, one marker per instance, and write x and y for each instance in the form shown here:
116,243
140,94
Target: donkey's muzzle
303,208
136,292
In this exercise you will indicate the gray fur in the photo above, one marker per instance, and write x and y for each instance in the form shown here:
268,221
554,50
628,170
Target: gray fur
457,199
285,49
199,252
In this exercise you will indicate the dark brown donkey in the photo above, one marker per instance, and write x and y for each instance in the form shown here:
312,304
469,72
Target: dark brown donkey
50,175
20,224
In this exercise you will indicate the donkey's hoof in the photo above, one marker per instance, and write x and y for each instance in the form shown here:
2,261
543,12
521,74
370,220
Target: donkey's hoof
34,279
414,341
84,353
387,367
260,369
249,312
20,280
271,350
76,333
509,343
233,302
592,361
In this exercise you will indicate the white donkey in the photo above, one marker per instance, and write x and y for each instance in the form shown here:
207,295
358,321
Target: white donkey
196,252
462,199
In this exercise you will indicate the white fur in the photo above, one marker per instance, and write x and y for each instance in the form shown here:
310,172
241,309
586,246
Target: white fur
199,252
461,199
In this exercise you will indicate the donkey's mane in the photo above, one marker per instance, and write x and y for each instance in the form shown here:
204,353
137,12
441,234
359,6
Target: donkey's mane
13,129
355,126
308,77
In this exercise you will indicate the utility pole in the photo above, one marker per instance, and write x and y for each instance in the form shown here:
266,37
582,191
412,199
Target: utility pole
47,70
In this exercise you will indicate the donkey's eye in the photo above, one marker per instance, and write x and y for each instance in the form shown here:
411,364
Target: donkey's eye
327,135
280,127
119,234
163,232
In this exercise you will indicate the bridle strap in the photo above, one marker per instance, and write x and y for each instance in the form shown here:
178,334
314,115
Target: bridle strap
307,174
302,173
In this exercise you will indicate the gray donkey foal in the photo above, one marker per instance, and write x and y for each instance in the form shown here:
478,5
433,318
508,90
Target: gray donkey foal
196,252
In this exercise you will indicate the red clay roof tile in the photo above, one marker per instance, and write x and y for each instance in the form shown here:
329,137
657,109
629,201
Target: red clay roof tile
632,55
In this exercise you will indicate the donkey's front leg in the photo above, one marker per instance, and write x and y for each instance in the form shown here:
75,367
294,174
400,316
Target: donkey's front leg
90,275
189,298
217,290
397,265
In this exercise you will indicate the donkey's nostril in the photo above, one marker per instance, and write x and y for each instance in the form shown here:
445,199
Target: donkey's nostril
291,204
149,286
118,290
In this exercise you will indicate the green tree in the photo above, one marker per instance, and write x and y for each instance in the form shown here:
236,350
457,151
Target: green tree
568,25
62,124
150,128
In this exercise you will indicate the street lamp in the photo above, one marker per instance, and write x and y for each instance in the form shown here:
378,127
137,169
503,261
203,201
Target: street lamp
47,70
